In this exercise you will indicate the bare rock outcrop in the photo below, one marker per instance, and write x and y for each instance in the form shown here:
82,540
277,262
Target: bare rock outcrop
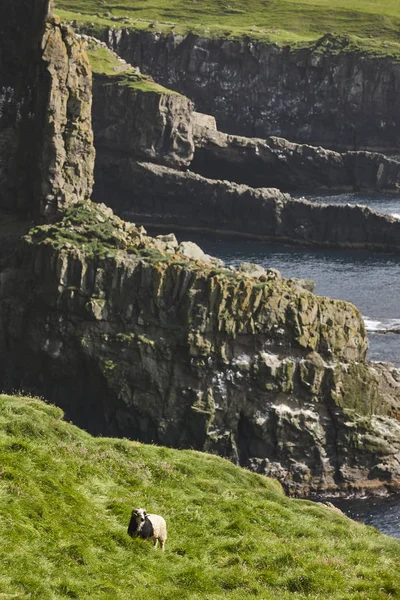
276,162
133,338
156,195
327,93
133,116
153,340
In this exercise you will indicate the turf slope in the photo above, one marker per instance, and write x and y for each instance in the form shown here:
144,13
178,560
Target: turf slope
65,501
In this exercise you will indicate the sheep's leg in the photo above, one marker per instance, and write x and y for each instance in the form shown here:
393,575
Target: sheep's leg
155,542
162,544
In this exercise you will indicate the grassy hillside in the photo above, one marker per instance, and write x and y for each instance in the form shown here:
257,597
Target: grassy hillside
373,24
65,501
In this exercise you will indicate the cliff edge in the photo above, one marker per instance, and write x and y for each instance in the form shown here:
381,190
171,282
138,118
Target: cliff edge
134,338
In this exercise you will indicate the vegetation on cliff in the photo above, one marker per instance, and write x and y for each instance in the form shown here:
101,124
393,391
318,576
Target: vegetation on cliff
282,309
371,25
65,505
106,63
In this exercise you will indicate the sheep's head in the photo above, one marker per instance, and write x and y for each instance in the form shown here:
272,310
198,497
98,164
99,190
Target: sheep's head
139,514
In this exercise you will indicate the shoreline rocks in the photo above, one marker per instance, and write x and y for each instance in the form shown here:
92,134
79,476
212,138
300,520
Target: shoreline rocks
167,198
132,338
143,338
276,162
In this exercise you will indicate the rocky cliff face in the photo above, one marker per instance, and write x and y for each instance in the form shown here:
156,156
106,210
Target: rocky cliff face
135,117
275,162
325,94
156,195
133,338
46,150
131,122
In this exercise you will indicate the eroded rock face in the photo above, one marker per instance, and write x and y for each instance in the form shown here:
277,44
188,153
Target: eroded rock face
67,159
156,195
275,162
46,150
133,338
326,94
142,124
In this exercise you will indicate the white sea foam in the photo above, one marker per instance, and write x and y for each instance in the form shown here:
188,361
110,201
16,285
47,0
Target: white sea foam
396,215
382,326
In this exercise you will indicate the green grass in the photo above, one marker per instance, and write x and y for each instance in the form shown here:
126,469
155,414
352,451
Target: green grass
65,501
106,64
372,25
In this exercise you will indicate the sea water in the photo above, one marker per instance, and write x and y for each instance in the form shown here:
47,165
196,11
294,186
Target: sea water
381,513
370,280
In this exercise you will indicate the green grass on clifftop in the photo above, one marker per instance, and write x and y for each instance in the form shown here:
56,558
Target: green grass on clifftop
370,24
65,500
105,63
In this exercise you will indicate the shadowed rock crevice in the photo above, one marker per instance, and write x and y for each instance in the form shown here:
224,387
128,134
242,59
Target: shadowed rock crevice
46,148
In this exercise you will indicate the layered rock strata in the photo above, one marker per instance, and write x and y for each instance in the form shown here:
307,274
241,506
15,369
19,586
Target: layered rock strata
46,148
156,195
326,94
133,120
134,339
275,162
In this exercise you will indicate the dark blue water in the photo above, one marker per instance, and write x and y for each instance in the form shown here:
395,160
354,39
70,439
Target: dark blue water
384,514
384,202
371,280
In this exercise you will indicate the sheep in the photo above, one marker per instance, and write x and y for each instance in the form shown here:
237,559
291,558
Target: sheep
148,527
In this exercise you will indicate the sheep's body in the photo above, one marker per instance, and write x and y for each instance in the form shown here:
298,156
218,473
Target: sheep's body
159,530
148,527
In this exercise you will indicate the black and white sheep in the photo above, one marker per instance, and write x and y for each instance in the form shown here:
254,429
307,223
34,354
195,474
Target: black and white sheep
148,527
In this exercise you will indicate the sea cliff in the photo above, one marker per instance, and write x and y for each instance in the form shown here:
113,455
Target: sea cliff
133,338
153,340
327,93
